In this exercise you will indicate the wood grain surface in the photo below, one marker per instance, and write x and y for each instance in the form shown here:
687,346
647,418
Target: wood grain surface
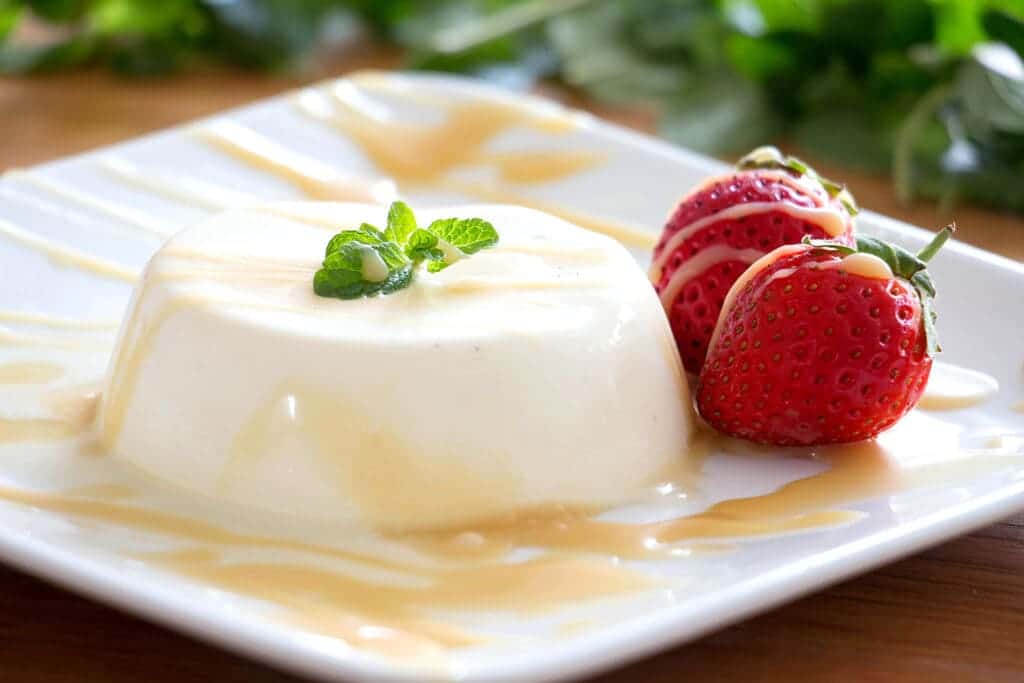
954,613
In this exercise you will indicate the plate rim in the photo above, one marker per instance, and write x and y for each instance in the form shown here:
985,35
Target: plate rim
592,652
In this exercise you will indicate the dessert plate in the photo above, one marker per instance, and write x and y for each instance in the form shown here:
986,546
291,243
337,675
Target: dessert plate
74,233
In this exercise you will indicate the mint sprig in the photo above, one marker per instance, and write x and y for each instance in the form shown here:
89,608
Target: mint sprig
368,261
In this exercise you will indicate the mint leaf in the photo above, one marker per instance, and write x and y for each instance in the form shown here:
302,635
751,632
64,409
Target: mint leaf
342,273
468,235
422,245
373,232
356,270
401,223
346,236
372,237
368,262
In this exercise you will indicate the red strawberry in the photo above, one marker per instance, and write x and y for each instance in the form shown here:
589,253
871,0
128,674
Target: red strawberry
822,343
727,223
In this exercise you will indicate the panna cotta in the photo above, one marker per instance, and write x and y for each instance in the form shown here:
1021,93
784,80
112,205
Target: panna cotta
540,371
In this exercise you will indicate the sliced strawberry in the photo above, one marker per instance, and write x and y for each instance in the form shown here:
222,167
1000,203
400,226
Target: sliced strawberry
821,343
727,223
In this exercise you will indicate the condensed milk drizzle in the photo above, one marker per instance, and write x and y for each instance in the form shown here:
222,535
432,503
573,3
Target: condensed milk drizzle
425,155
394,603
465,568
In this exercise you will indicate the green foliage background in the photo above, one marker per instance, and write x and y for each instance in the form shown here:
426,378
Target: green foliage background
929,90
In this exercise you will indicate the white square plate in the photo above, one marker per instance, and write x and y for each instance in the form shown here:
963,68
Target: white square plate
82,204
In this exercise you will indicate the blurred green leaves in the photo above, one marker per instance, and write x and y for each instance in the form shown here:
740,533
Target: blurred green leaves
930,89
9,14
145,37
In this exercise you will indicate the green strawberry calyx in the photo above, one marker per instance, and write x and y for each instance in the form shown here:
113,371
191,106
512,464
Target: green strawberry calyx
904,264
770,158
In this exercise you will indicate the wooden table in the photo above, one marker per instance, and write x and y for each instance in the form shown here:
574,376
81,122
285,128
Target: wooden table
954,613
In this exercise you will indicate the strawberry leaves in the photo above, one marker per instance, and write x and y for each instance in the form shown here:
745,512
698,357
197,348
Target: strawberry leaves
770,158
904,264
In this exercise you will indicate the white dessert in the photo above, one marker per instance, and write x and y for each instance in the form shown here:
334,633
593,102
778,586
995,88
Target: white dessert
540,371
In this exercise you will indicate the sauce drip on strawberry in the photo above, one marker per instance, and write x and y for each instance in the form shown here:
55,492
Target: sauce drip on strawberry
768,201
811,350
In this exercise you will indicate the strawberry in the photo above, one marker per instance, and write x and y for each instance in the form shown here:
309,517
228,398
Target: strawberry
822,343
728,222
